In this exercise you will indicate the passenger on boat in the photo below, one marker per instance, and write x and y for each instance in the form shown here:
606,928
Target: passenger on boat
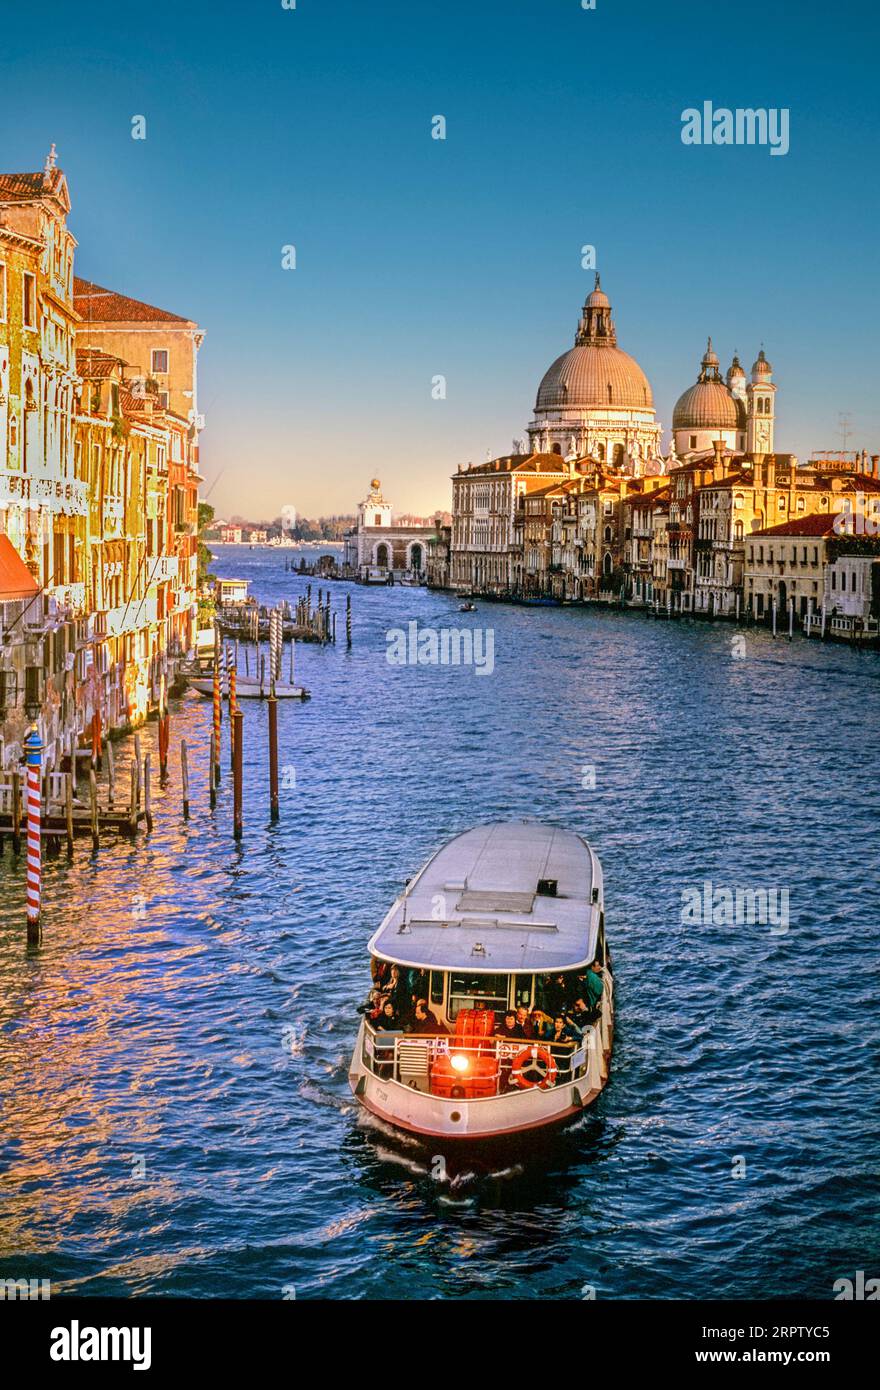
594,984
511,1027
388,1020
538,1026
555,993
565,1030
424,1021
373,1007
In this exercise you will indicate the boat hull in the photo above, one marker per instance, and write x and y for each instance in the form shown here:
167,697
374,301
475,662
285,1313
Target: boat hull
246,690
435,1117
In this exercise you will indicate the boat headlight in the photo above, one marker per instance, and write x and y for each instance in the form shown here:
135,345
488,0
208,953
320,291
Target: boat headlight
458,1063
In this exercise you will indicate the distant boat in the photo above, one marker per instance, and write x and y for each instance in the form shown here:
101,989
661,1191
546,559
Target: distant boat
249,688
467,607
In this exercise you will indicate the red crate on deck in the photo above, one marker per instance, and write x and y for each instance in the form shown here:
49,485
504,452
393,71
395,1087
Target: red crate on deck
480,1079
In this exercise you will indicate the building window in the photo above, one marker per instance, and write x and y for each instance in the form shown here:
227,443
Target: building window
2,292
163,400
29,300
159,360
693,443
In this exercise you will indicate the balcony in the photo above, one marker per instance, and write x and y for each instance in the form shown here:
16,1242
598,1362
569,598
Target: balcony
113,515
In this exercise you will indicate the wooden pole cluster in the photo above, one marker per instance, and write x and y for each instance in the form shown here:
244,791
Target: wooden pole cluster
348,620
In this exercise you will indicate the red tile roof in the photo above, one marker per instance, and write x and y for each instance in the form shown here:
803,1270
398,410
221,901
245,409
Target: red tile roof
98,305
92,363
22,188
816,525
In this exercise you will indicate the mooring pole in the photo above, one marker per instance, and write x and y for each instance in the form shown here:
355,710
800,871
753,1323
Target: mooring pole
148,792
184,778
68,812
33,749
348,620
93,809
233,706
212,798
273,756
215,737
238,739
16,813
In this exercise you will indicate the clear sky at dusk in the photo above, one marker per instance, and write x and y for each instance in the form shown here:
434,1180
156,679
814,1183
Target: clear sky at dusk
418,257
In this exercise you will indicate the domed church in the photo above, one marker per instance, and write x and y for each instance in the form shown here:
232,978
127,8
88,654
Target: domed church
740,415
595,399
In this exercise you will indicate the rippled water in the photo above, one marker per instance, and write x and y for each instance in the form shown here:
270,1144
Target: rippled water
175,1110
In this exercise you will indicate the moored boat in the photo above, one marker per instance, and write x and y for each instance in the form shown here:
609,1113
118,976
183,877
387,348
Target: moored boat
507,918
249,688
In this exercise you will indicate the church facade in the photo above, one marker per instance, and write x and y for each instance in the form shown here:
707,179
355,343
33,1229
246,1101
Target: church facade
379,550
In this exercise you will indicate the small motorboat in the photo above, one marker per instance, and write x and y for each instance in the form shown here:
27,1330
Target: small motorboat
467,607
249,688
492,916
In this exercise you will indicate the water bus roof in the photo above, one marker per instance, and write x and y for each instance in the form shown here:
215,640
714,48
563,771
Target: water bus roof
503,897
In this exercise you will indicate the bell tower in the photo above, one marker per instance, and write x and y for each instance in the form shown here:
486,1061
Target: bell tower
760,394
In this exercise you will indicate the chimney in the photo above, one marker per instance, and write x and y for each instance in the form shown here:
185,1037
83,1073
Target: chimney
759,469
771,470
718,463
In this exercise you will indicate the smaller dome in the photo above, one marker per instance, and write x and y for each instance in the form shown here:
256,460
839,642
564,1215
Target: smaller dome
708,405
761,367
735,370
598,300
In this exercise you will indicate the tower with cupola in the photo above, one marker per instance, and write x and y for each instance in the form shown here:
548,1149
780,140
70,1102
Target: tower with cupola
760,394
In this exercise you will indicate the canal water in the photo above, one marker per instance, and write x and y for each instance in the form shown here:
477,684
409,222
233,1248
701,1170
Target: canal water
175,1110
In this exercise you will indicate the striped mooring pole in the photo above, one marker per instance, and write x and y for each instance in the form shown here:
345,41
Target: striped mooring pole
33,759
217,718
233,706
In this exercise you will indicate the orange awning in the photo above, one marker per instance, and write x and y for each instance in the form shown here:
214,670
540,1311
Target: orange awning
16,580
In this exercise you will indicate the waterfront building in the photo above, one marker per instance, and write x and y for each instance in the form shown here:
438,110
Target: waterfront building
809,564
437,562
645,571
487,549
595,400
161,348
379,549
43,504
98,483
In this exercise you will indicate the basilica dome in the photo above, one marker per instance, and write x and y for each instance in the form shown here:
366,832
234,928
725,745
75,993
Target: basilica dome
595,373
591,376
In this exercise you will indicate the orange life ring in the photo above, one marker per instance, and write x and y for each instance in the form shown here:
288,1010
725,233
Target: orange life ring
534,1066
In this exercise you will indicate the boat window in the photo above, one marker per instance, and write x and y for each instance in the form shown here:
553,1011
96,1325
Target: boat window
522,998
437,986
477,992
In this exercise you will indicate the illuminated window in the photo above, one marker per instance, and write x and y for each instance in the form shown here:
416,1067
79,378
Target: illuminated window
160,360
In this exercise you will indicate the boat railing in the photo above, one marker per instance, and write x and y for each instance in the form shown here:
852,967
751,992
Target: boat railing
414,1059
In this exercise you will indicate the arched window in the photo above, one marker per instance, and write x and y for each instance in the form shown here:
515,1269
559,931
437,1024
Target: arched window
737,530
600,452
557,449
415,558
617,457
607,564
382,556
608,534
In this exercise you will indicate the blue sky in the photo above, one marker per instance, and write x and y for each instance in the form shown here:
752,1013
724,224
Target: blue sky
418,257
